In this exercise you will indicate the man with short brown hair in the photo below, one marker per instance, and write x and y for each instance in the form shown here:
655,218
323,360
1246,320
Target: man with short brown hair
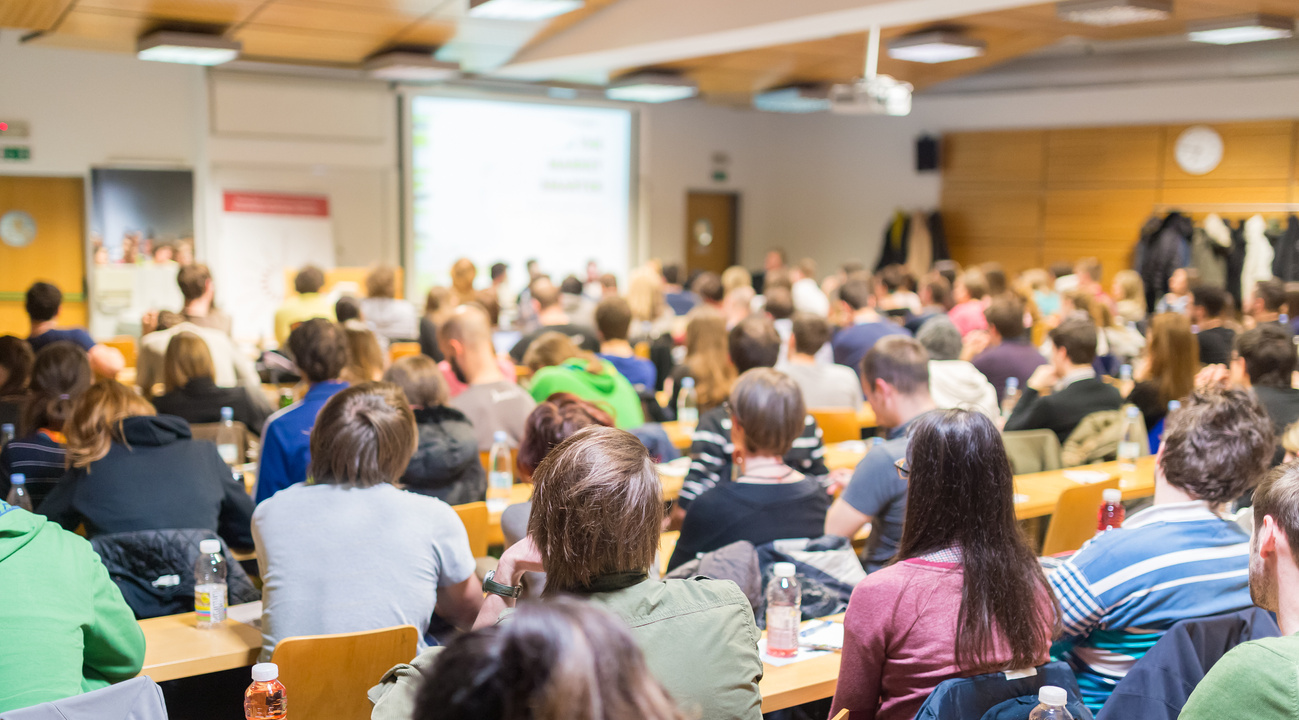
307,304
1059,395
546,302
613,323
1009,353
196,287
824,385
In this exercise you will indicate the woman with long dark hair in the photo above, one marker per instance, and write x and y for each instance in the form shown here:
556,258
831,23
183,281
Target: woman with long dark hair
965,594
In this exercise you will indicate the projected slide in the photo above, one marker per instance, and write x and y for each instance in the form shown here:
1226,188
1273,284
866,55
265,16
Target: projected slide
508,181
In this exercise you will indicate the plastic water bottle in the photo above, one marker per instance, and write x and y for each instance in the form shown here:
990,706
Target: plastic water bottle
1011,397
1130,439
286,398
210,585
688,403
6,434
227,435
1051,704
1125,379
784,611
1111,512
18,496
265,698
1173,405
500,475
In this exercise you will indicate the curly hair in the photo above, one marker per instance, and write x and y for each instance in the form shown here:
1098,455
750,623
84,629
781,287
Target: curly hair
1218,445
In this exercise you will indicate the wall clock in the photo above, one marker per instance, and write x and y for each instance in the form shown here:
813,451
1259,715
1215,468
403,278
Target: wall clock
17,229
1198,150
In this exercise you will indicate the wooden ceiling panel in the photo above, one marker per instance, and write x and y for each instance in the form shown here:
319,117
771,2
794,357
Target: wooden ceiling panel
427,32
31,14
97,30
305,15
270,42
216,12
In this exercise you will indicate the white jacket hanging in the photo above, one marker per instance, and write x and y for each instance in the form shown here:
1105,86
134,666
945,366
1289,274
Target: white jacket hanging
1258,259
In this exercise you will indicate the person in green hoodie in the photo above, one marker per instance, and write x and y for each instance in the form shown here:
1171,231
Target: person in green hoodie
558,365
64,627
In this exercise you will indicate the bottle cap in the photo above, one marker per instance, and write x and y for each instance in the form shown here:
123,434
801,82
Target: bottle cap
1048,695
208,547
1112,496
500,436
1012,383
7,428
266,672
1132,411
18,479
227,414
783,569
1125,371
687,382
1174,405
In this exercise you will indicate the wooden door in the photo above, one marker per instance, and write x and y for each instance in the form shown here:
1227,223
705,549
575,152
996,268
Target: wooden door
56,252
712,226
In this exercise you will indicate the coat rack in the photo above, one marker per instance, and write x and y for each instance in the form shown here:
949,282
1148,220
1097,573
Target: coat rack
1233,208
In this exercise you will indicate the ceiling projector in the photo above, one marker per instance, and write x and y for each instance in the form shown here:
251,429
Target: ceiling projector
871,95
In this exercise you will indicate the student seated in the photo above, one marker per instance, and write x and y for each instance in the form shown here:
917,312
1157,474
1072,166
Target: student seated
64,627
966,595
768,500
1216,341
1059,395
546,304
319,352
129,470
557,659
43,303
365,359
895,376
1181,558
308,303
390,318
445,464
953,382
231,368
970,291
824,385
192,393
551,423
558,365
60,375
612,322
16,358
753,343
493,402
1006,352
1256,680
1167,370
867,326
350,551
1265,361
707,363
596,518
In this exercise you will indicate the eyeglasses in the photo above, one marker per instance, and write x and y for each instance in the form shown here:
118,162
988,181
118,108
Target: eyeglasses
904,470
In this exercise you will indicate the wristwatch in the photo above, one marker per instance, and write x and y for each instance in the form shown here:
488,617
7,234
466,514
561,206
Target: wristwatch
508,591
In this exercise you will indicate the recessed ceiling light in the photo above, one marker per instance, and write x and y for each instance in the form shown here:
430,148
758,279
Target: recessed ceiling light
187,48
651,87
797,99
1250,28
935,47
1107,13
410,66
521,9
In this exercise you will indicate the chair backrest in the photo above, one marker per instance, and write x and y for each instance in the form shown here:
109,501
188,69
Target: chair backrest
326,677
837,424
476,520
1032,451
1074,520
1096,438
124,344
999,695
208,432
399,350
139,698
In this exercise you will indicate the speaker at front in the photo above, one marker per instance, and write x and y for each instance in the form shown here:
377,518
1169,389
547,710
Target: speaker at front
926,153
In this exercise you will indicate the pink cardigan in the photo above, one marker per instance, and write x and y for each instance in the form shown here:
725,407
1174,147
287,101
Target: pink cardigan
900,640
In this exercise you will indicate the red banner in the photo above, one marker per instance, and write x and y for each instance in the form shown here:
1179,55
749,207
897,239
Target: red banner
277,204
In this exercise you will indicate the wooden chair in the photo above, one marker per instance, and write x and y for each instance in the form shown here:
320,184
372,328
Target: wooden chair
1074,520
399,350
124,344
837,424
1032,451
642,350
327,676
667,544
476,520
208,431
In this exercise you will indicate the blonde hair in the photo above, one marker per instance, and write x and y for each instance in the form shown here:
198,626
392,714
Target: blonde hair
645,295
365,359
708,357
96,423
550,349
1130,287
1174,356
187,358
1037,280
735,277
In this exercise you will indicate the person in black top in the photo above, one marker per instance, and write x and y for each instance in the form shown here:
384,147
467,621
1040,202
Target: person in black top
60,375
768,500
551,315
130,470
1266,362
1167,371
1268,304
16,360
1066,390
192,393
1207,307
445,464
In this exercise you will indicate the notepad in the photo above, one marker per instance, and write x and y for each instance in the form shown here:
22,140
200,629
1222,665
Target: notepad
247,613
1087,477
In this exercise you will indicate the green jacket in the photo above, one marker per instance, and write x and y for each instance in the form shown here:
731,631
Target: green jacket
1256,680
607,388
64,627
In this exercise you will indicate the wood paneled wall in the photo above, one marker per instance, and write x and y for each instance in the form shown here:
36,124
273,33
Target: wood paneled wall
1033,197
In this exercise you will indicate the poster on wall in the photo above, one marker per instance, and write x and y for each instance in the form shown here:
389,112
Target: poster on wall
261,235
141,232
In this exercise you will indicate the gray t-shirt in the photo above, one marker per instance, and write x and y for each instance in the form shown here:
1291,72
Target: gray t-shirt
877,490
826,386
495,406
341,559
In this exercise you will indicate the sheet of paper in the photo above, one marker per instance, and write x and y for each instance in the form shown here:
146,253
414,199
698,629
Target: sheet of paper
248,613
1087,477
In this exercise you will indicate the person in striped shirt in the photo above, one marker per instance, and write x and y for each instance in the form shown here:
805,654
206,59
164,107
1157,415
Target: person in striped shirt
60,374
754,343
1180,558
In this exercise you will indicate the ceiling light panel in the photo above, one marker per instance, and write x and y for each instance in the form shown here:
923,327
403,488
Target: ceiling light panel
793,100
1247,29
935,47
1108,13
651,88
187,48
405,66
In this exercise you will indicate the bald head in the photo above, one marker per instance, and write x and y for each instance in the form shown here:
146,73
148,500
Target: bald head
544,292
468,324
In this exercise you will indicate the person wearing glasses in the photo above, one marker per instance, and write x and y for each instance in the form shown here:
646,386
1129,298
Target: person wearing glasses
769,500
895,377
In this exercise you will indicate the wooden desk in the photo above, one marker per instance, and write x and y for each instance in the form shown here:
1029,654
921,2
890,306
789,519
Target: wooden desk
1043,489
679,434
800,682
175,648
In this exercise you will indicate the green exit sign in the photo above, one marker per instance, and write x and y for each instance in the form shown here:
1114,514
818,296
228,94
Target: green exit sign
17,152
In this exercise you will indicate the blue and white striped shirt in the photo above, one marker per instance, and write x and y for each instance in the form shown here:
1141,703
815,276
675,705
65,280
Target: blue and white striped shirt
1124,588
